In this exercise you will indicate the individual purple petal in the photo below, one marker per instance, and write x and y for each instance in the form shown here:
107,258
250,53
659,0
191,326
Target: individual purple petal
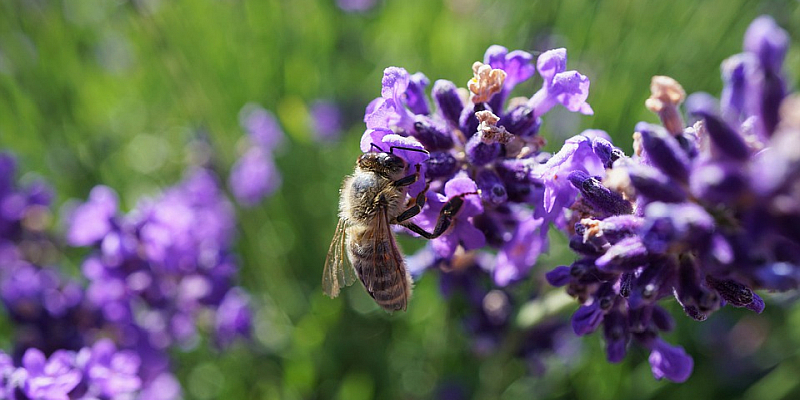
552,62
394,83
741,75
372,139
575,155
91,221
254,177
671,362
519,255
462,184
380,114
415,94
571,90
401,145
516,64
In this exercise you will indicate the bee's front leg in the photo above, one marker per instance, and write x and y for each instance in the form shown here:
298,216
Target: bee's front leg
408,180
446,215
415,209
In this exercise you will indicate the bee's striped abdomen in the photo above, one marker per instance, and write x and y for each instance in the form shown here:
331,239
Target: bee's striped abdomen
381,268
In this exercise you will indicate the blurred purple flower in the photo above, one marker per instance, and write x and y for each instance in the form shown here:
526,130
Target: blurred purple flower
261,126
355,5
326,120
254,177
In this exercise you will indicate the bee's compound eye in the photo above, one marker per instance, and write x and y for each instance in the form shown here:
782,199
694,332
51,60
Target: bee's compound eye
393,162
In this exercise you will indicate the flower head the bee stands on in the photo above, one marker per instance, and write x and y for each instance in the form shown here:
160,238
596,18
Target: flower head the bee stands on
479,143
706,213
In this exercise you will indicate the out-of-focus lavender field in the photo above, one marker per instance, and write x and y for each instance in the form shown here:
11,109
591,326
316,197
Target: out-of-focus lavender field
164,102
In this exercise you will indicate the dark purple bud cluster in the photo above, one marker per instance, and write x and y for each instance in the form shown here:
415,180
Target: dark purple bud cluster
706,214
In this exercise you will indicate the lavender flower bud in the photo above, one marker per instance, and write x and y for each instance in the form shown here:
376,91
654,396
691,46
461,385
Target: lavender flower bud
664,151
431,136
718,182
480,153
606,201
447,100
521,121
491,187
587,319
559,276
441,164
725,138
606,151
617,336
669,362
627,255
654,185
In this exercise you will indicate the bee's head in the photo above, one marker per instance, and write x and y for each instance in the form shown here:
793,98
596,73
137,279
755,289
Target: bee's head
385,164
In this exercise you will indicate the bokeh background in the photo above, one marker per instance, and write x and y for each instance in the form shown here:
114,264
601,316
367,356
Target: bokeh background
113,91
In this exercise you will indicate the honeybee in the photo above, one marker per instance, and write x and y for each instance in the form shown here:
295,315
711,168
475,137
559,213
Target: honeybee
372,199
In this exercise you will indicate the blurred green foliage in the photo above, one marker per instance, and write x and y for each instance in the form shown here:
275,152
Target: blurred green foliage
111,91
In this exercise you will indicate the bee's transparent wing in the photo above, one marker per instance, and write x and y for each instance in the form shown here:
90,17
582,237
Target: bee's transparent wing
338,271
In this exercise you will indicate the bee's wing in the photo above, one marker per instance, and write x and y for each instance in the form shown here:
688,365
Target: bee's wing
338,271
388,281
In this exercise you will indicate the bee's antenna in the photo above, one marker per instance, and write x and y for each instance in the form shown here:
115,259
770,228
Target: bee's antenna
371,145
391,149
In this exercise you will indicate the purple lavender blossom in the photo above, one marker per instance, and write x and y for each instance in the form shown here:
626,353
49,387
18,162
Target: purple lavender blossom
90,373
254,176
355,5
483,150
705,214
326,121
261,126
